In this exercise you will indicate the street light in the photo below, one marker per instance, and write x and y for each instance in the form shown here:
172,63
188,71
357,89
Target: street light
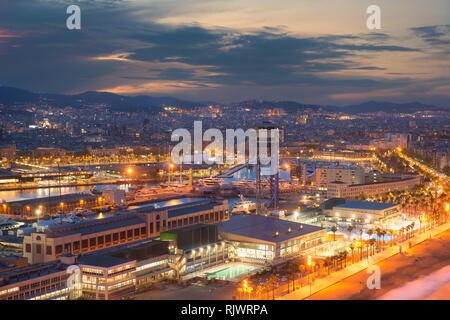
171,166
38,213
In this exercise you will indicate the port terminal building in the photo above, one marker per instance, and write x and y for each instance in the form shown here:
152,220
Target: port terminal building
124,227
266,240
366,212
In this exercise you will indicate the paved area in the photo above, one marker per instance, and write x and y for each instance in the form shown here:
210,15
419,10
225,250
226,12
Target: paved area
350,283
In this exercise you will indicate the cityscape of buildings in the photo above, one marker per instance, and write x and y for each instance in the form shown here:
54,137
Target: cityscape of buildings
95,207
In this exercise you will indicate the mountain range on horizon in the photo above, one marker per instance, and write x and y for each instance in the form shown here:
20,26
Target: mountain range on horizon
9,97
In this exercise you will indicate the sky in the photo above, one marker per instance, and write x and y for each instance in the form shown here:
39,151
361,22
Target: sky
310,51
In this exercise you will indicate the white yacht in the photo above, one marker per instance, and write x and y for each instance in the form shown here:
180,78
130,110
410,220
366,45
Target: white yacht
243,205
7,223
211,182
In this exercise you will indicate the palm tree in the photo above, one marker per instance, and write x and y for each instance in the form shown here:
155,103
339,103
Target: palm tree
334,229
268,286
370,233
239,290
259,290
352,247
344,256
273,279
321,263
383,233
301,268
378,232
401,230
349,229
391,232
372,245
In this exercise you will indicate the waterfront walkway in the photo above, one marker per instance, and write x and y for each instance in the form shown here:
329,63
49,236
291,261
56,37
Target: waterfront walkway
335,277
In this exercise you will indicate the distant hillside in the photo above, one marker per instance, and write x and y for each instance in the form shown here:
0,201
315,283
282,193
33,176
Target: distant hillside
389,107
13,96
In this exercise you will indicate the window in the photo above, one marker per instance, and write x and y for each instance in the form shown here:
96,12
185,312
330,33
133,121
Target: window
28,247
108,238
116,237
48,250
143,231
157,226
122,235
92,242
136,232
129,233
84,243
58,249
151,227
38,249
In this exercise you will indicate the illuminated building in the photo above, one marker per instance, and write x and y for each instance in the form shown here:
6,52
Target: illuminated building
260,239
129,226
366,212
347,174
50,205
43,281
337,189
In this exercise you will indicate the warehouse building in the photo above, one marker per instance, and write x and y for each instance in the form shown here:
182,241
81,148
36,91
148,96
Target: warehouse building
366,212
260,239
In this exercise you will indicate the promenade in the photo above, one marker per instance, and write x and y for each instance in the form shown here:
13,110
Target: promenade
335,277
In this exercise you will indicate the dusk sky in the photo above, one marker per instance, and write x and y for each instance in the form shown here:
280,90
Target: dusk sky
311,51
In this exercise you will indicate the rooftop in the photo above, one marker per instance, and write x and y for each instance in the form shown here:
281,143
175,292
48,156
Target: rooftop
140,250
94,226
31,271
52,200
264,228
366,205
101,260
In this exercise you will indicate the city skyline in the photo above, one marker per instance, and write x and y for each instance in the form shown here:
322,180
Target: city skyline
311,52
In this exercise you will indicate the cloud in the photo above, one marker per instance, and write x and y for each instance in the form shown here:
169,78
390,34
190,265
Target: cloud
120,47
435,35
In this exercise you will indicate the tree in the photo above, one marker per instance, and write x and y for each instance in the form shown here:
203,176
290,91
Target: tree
352,247
344,257
268,286
259,290
321,264
372,245
334,229
383,233
273,280
349,229
301,268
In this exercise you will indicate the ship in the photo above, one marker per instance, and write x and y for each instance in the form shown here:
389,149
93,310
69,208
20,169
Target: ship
243,206
95,190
